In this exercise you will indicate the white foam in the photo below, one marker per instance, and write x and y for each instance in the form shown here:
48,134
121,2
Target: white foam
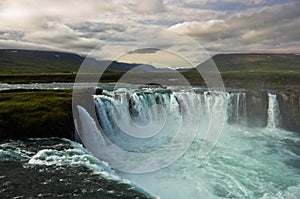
273,111
76,156
241,165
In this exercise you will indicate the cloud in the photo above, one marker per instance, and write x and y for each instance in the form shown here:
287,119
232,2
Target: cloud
218,25
145,51
16,35
99,27
13,44
61,37
205,31
31,14
274,25
147,7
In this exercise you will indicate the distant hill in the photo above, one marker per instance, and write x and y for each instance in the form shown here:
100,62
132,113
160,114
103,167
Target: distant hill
14,61
27,61
255,63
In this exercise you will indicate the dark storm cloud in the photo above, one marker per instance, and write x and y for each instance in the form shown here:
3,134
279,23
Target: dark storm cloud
145,50
99,27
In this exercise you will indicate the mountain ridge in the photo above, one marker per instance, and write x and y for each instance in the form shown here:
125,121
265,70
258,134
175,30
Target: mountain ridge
15,61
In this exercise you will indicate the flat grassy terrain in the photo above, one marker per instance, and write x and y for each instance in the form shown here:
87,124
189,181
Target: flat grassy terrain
36,78
252,80
38,113
258,62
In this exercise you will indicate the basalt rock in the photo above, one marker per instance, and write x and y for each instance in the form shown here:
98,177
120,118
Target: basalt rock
257,108
289,105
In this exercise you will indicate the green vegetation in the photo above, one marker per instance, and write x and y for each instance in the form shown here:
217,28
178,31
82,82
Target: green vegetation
273,71
38,113
36,78
44,113
29,62
273,63
253,80
260,80
37,62
257,71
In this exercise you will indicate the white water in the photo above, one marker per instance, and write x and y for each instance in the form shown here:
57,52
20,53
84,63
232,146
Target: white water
245,162
73,156
59,156
52,86
273,111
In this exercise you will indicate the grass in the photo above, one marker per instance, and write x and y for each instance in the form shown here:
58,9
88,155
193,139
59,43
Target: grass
38,113
257,62
45,113
35,62
36,78
253,80
254,70
259,80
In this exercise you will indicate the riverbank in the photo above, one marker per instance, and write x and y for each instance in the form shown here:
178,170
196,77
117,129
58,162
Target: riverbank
58,168
247,80
36,113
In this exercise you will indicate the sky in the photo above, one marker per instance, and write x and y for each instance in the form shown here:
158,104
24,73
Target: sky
219,26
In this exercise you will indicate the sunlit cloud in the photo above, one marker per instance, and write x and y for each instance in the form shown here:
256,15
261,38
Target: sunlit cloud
218,25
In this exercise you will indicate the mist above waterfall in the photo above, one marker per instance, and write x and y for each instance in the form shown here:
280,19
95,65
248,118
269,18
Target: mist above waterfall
136,106
238,165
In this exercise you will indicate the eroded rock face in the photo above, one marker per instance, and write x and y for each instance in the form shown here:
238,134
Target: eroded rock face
289,105
257,108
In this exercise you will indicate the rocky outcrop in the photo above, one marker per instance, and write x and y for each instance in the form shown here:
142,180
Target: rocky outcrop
289,105
257,108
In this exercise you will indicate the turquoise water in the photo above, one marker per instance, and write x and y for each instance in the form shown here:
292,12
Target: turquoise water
245,163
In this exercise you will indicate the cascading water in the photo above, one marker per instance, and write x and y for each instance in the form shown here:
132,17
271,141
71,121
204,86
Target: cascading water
237,167
134,111
237,113
273,111
134,107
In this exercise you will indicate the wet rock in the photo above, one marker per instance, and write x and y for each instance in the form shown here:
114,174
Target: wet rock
98,91
257,108
132,110
289,105
152,85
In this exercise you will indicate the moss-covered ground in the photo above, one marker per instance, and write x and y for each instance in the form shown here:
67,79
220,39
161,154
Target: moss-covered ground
38,113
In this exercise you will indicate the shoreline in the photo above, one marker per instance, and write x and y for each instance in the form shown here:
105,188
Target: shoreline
246,80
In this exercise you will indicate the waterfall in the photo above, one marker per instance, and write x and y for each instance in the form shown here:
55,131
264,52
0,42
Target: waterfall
165,123
273,111
237,113
125,116
146,107
149,108
144,112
